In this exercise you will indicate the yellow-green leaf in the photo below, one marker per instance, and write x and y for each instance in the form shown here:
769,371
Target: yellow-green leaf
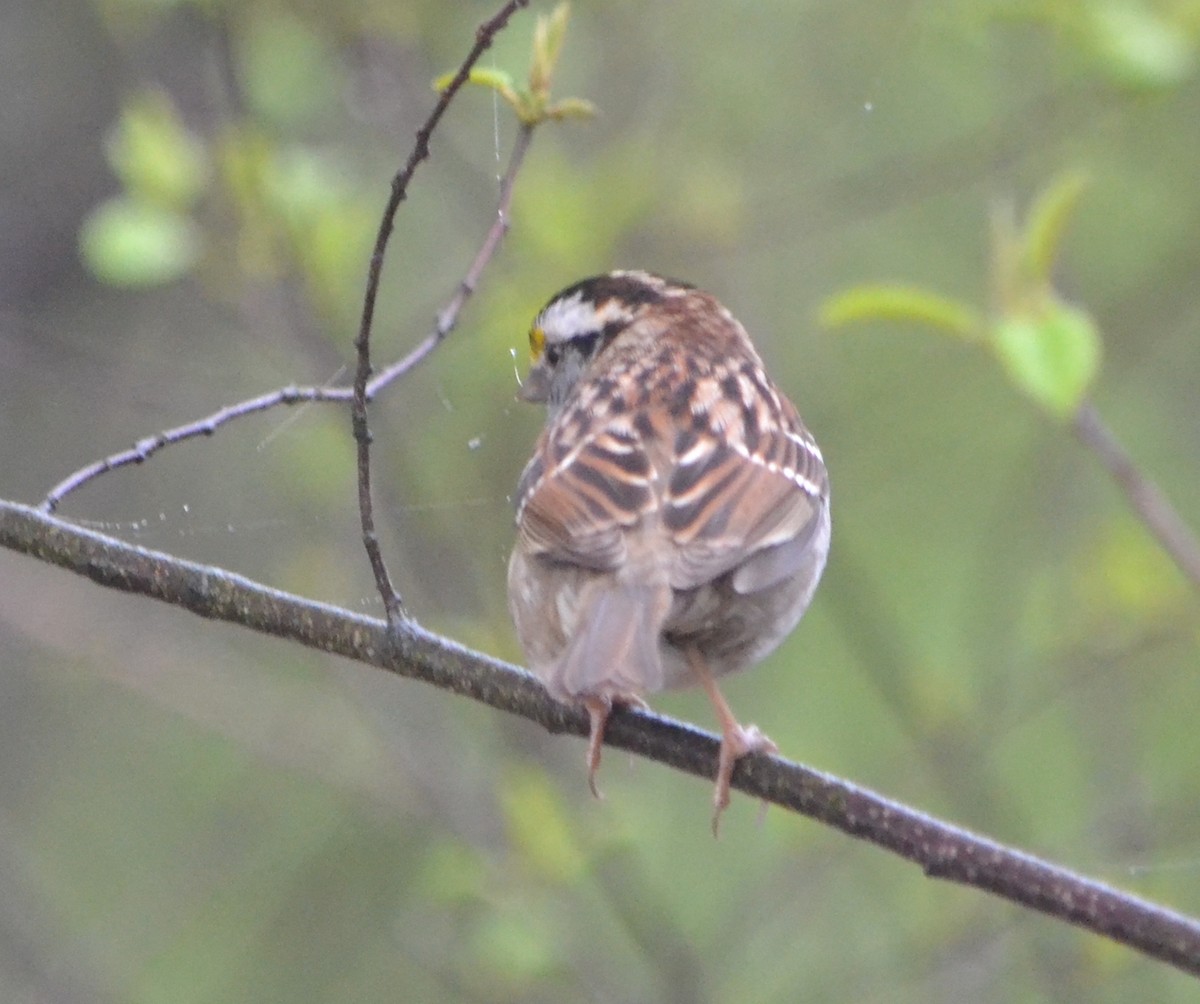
497,80
1052,357
894,302
155,157
548,37
1140,47
126,242
571,108
532,104
1047,222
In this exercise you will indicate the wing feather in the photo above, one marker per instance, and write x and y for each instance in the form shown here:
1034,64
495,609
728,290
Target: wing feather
578,509
743,491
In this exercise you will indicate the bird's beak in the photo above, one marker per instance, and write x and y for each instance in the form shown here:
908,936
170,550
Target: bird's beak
536,388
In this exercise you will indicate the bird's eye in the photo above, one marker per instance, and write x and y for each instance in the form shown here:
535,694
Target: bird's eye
537,342
553,354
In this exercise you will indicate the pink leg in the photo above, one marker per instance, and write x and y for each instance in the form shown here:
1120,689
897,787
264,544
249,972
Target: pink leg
736,740
598,709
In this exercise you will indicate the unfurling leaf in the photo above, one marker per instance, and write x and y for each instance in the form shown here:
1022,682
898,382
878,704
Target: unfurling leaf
498,80
1050,349
1052,356
570,108
894,302
548,39
1047,222
531,104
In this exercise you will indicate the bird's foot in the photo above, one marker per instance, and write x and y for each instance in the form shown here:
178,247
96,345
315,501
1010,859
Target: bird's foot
737,741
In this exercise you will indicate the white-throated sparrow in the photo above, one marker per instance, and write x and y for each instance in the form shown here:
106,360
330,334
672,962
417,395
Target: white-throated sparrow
674,518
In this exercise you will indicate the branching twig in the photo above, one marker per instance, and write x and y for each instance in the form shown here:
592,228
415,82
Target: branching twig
365,386
1151,505
144,449
362,344
447,319
941,849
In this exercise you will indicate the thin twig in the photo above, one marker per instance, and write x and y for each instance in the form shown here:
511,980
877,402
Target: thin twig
941,849
447,317
484,35
1151,505
445,322
143,449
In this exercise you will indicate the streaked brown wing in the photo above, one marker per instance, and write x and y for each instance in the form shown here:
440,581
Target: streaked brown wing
738,493
575,505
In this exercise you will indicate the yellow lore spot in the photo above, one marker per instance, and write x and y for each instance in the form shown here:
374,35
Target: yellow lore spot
537,342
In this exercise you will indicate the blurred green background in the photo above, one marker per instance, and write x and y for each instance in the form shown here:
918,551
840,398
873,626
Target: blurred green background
189,812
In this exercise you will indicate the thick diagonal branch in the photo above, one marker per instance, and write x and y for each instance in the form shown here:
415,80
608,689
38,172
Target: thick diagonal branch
941,849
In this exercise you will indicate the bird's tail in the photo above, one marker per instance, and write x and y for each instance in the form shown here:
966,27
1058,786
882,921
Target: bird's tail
615,651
